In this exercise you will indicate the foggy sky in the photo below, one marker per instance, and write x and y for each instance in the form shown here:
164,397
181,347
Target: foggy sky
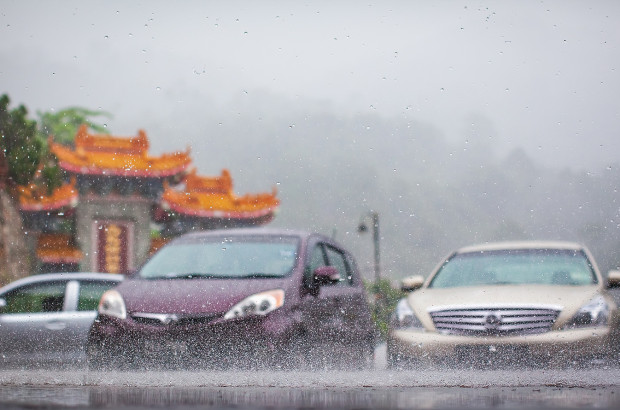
539,75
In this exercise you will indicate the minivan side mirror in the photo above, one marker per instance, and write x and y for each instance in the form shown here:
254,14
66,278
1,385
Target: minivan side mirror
613,279
325,275
411,283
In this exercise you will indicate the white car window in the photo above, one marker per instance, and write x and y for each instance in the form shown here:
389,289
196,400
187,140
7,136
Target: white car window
36,298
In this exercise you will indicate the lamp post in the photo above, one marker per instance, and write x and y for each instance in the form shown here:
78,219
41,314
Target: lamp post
362,227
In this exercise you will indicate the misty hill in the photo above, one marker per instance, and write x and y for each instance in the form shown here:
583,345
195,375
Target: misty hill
432,195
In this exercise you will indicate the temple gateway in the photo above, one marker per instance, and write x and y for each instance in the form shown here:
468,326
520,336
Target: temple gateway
118,205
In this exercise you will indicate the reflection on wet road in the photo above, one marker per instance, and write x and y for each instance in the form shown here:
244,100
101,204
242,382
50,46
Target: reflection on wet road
321,389
307,398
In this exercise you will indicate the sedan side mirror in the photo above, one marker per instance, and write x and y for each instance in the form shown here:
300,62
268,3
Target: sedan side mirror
613,279
325,275
411,283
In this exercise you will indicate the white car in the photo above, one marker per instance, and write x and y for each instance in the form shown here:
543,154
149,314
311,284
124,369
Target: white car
46,318
506,302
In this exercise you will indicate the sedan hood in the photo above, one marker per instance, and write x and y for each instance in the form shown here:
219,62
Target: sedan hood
191,296
568,298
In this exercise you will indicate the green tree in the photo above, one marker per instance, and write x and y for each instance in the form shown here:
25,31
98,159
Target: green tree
64,124
385,298
19,141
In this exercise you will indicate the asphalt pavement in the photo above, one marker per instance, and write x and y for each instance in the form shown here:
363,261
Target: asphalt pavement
597,386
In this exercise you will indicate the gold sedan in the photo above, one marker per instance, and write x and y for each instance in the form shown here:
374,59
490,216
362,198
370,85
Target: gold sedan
507,303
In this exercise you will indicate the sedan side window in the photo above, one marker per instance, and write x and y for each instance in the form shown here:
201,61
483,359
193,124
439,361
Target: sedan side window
90,294
36,298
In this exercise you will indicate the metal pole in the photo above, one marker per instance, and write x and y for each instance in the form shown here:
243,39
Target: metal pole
375,232
375,236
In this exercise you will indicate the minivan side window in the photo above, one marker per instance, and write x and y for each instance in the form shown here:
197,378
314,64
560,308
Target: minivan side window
337,259
325,255
316,260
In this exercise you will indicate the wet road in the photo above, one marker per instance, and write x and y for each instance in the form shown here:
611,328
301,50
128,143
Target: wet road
590,388
597,386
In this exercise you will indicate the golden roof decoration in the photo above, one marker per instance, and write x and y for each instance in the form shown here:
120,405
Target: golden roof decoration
96,154
210,197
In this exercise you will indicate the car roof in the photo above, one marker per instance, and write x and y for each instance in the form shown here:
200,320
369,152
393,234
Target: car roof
521,245
45,277
247,231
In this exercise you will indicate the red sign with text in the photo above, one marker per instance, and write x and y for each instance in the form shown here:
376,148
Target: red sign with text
112,249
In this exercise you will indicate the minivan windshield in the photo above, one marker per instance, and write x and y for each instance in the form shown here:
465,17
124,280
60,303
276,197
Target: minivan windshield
516,267
228,257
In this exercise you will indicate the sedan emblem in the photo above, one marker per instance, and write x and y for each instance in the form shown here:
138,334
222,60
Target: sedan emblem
493,321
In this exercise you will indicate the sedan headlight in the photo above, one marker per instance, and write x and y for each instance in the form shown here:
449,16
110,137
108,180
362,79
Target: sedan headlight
593,313
258,304
404,318
112,304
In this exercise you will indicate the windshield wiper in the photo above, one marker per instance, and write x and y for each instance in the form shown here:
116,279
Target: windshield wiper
190,275
257,275
196,275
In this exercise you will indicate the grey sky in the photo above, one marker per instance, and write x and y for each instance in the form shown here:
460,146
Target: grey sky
541,75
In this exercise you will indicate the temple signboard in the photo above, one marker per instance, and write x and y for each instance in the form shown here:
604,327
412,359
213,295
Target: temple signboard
113,245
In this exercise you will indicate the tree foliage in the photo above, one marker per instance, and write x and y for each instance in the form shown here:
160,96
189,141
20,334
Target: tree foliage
19,141
64,124
23,141
385,298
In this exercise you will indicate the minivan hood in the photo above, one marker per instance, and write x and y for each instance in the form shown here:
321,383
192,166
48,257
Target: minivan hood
191,296
568,298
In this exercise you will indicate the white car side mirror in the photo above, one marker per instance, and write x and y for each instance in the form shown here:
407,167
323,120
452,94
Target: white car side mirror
411,283
613,279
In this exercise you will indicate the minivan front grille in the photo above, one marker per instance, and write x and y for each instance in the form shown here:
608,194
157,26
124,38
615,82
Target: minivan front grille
497,321
162,319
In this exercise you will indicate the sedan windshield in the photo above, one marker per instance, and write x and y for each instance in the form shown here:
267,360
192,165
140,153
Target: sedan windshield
224,258
516,267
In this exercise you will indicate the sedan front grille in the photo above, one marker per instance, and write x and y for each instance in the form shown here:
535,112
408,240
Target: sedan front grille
494,321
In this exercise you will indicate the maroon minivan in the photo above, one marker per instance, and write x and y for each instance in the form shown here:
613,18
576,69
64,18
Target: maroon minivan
238,297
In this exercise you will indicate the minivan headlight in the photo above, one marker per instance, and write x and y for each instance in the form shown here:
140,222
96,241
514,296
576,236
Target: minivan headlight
112,304
593,313
404,318
258,304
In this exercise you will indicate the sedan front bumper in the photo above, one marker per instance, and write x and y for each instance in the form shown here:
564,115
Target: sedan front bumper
562,346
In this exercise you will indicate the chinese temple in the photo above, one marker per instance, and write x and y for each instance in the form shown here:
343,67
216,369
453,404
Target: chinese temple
119,204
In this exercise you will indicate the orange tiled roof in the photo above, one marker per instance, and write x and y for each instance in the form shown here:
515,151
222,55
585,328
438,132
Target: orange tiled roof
32,199
212,197
57,248
107,155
